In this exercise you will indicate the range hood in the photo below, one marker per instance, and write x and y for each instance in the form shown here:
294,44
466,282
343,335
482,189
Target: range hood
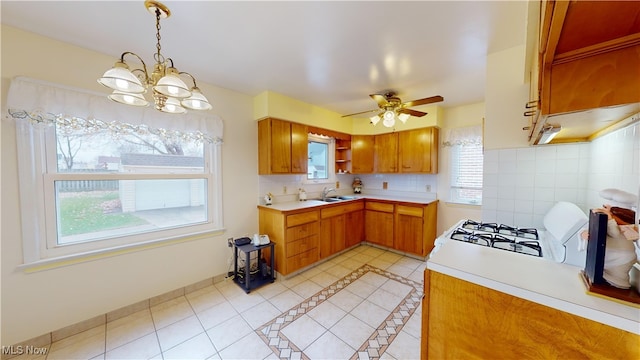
584,126
588,78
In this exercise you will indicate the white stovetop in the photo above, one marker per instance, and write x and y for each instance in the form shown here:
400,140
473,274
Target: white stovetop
535,279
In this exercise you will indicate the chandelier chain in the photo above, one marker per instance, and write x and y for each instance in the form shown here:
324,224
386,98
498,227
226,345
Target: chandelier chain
158,56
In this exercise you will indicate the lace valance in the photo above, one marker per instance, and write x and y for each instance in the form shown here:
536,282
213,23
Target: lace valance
52,104
471,135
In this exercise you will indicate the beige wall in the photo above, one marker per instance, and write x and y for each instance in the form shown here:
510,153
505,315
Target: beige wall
36,303
506,93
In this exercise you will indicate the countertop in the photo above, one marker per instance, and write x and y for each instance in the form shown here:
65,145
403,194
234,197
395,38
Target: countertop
545,282
308,204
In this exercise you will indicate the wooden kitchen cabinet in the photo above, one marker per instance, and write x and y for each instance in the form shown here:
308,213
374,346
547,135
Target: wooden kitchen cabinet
418,150
415,228
296,237
587,59
336,224
354,233
455,312
282,147
379,219
386,153
362,154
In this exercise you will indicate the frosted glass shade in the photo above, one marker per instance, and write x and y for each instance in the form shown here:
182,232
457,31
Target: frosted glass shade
120,78
128,98
172,106
171,85
196,101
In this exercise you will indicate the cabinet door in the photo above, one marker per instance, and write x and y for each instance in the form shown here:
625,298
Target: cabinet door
354,228
280,146
332,235
299,148
410,234
418,151
386,153
362,150
379,229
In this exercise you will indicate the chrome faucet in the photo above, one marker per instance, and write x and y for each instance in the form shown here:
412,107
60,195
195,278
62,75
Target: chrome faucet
325,192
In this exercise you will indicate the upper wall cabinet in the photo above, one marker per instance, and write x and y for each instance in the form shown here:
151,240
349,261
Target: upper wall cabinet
418,150
386,153
589,53
362,154
282,147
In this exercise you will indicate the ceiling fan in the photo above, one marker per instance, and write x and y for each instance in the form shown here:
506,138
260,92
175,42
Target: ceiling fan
391,107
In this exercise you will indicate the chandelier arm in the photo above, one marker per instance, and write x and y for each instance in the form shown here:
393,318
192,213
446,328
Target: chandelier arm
191,76
144,66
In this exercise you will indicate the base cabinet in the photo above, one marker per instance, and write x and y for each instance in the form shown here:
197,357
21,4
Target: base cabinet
339,226
415,228
379,221
296,237
462,320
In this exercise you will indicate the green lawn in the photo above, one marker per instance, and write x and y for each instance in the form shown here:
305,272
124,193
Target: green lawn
85,214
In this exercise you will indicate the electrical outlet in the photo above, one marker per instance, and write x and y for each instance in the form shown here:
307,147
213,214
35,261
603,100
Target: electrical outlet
229,242
384,185
337,184
428,188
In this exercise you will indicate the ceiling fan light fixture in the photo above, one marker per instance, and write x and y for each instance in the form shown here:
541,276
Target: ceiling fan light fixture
389,118
403,117
375,119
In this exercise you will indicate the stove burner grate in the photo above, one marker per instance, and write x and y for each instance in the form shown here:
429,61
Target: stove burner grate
528,247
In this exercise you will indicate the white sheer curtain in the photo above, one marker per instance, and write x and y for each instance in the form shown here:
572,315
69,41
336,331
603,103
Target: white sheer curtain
471,135
47,103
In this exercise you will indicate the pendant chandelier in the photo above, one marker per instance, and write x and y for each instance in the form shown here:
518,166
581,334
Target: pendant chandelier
170,93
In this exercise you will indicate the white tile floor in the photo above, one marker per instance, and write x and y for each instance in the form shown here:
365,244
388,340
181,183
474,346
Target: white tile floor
340,309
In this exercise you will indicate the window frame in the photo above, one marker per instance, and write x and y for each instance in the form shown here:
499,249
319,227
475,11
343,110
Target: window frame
37,173
331,160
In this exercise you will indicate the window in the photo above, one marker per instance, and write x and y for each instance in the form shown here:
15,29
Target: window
321,154
318,167
93,185
466,174
466,164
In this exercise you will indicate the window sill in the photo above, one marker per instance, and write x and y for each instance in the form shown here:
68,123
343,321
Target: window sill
463,204
53,263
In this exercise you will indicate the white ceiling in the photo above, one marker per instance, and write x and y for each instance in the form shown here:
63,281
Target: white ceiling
330,53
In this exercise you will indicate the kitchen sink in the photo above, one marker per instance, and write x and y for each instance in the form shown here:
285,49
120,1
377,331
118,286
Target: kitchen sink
338,198
347,197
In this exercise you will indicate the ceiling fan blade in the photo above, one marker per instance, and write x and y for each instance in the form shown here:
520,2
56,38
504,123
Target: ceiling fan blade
429,100
415,113
380,99
360,113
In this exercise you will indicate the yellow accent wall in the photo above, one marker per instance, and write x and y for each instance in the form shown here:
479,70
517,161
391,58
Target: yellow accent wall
272,104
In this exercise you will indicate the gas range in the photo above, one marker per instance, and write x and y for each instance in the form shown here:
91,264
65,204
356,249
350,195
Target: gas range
499,236
526,241
557,241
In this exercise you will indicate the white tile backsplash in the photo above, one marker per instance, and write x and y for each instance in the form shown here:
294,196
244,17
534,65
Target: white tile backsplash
521,185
